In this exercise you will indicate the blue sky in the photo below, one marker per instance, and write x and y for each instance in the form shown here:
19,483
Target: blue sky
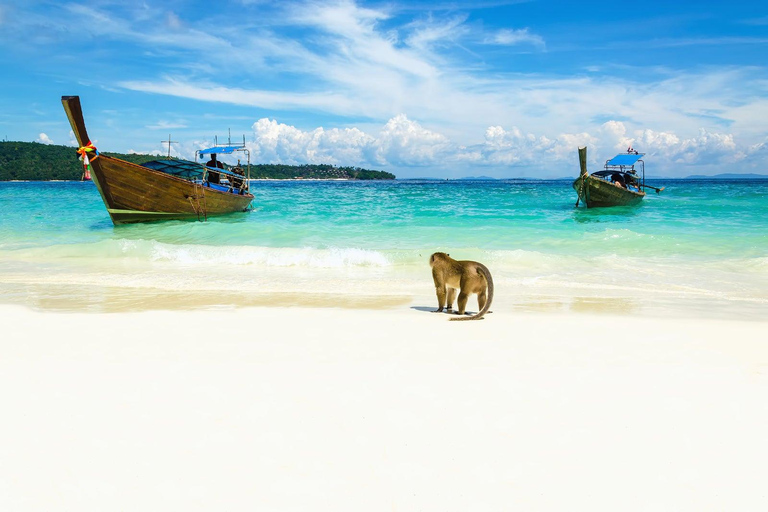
445,89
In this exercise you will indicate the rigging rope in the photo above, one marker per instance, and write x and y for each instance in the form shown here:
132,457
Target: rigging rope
198,209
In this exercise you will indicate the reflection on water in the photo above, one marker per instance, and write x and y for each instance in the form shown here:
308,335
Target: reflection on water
610,214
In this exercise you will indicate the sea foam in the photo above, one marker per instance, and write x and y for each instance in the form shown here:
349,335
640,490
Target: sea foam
269,256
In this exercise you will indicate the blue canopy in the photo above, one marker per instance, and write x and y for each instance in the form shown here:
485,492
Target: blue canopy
625,159
223,150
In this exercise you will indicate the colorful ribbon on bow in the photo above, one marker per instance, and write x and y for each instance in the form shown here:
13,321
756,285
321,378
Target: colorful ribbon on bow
83,152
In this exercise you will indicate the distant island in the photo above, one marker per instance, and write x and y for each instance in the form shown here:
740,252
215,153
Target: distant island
316,171
728,176
694,177
32,161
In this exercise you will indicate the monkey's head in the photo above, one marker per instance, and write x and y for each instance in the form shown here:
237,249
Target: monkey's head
437,257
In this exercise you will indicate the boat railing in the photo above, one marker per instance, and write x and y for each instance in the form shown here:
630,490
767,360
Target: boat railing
231,177
628,169
224,172
228,149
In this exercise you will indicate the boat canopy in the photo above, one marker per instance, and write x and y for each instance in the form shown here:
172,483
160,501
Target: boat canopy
180,168
221,150
625,159
186,169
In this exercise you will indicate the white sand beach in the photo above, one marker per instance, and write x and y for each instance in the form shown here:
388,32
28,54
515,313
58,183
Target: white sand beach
297,409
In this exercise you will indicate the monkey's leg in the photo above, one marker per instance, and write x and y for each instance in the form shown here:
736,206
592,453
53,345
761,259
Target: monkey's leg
451,298
440,290
482,298
463,297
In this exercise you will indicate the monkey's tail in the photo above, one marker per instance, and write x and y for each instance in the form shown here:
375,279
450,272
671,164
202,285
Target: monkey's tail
487,274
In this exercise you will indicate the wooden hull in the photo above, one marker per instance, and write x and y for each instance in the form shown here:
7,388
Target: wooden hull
134,193
596,192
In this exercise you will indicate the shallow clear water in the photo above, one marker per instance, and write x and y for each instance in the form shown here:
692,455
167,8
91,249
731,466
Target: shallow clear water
699,248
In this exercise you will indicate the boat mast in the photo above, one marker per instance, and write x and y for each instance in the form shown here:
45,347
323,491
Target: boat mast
169,142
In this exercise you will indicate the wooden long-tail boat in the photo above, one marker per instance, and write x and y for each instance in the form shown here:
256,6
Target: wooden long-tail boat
158,190
618,184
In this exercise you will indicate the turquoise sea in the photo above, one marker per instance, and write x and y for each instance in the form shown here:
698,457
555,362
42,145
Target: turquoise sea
698,249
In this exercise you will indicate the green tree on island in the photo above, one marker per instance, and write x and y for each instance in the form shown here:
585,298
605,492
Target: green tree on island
32,161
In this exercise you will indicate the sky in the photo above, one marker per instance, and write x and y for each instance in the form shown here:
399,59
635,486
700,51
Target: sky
421,89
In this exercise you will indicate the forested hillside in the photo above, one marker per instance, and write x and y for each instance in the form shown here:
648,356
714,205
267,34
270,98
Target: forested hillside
316,171
42,162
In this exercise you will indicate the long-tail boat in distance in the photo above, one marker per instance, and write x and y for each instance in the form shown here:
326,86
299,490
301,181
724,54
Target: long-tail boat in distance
618,184
162,189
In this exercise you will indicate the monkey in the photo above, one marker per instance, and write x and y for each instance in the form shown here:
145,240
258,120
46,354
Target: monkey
466,276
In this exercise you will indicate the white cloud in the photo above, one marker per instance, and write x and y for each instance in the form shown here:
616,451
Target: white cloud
505,148
426,34
702,149
343,17
158,153
505,152
334,102
167,125
401,142
173,21
614,133
150,28
510,146
406,142
280,143
509,37
44,139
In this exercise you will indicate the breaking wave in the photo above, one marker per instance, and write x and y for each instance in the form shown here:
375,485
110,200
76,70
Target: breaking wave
150,251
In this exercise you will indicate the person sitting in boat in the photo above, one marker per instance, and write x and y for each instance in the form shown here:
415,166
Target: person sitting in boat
618,180
237,181
213,177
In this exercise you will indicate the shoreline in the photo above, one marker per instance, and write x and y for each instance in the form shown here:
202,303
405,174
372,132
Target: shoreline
132,292
338,409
